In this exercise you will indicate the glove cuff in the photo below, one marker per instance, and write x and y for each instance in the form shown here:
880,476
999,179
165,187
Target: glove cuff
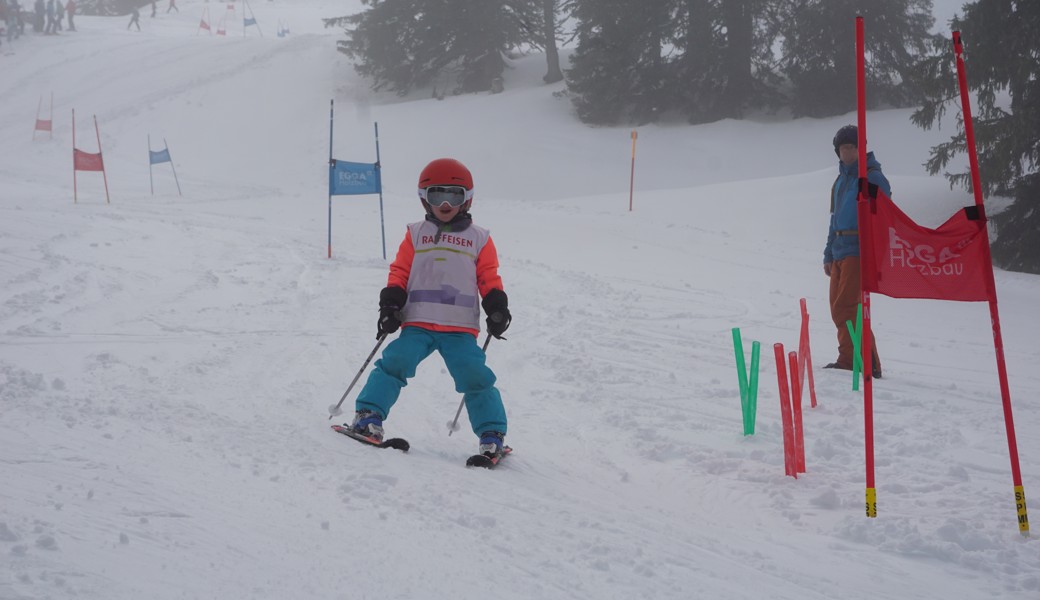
393,297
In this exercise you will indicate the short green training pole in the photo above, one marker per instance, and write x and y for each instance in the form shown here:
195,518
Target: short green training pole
748,382
738,350
857,346
753,385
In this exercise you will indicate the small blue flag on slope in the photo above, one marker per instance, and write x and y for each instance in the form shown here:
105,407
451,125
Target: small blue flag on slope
351,178
161,156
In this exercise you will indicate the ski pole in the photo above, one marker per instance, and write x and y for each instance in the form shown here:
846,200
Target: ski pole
454,425
334,411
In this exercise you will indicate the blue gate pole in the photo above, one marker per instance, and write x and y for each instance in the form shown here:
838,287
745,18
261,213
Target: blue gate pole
175,180
331,163
151,182
379,182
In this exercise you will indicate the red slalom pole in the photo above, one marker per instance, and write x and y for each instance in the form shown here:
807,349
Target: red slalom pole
790,466
75,194
632,175
868,389
805,356
998,342
102,157
36,125
796,413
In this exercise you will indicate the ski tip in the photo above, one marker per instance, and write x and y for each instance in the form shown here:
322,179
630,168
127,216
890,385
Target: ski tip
397,444
485,461
479,460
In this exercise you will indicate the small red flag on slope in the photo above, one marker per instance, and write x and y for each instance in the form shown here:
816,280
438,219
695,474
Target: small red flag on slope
87,161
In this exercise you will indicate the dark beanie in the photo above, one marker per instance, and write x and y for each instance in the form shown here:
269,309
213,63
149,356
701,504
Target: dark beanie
846,135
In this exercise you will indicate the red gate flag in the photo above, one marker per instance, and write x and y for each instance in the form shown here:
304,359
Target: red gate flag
86,161
906,260
44,124
203,23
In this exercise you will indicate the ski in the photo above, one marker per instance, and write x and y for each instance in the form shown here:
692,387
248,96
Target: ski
395,443
487,462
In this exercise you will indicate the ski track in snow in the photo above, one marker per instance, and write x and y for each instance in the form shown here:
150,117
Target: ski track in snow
166,363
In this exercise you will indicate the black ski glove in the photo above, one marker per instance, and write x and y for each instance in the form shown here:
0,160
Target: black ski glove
496,306
391,301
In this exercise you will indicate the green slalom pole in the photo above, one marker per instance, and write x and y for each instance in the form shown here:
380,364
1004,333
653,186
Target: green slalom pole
753,386
738,350
857,345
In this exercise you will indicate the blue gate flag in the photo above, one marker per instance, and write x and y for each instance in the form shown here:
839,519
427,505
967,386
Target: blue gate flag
161,156
249,21
352,178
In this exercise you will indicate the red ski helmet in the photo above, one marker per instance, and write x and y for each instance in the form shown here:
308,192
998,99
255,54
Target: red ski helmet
446,172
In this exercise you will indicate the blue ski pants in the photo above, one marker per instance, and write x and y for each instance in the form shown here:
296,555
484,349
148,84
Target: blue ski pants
466,364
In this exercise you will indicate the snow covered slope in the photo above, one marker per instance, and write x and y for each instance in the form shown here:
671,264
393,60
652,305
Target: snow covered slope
166,362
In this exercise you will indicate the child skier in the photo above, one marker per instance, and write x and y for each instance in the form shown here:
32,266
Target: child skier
440,266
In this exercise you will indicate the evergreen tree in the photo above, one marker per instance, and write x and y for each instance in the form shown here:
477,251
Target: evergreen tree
738,21
819,52
700,76
703,59
727,64
618,71
457,45
1001,47
552,54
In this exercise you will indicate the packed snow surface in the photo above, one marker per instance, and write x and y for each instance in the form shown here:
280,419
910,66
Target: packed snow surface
167,362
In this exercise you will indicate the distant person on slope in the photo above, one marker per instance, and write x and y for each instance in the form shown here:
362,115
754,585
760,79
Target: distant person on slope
841,254
443,263
50,28
15,24
134,19
39,12
13,20
70,9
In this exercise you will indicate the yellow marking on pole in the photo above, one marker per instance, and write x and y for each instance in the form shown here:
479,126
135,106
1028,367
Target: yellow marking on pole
872,503
1020,505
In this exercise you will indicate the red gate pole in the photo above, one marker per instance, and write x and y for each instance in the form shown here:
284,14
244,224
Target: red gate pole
632,175
37,121
101,155
786,419
805,356
998,342
75,196
868,389
796,413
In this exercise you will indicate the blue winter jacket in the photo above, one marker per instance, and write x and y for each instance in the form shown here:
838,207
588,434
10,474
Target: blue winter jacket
842,238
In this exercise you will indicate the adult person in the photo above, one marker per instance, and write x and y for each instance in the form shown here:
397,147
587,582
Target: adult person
841,254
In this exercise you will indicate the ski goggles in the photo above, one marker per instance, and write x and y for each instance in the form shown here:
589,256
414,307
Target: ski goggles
453,195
